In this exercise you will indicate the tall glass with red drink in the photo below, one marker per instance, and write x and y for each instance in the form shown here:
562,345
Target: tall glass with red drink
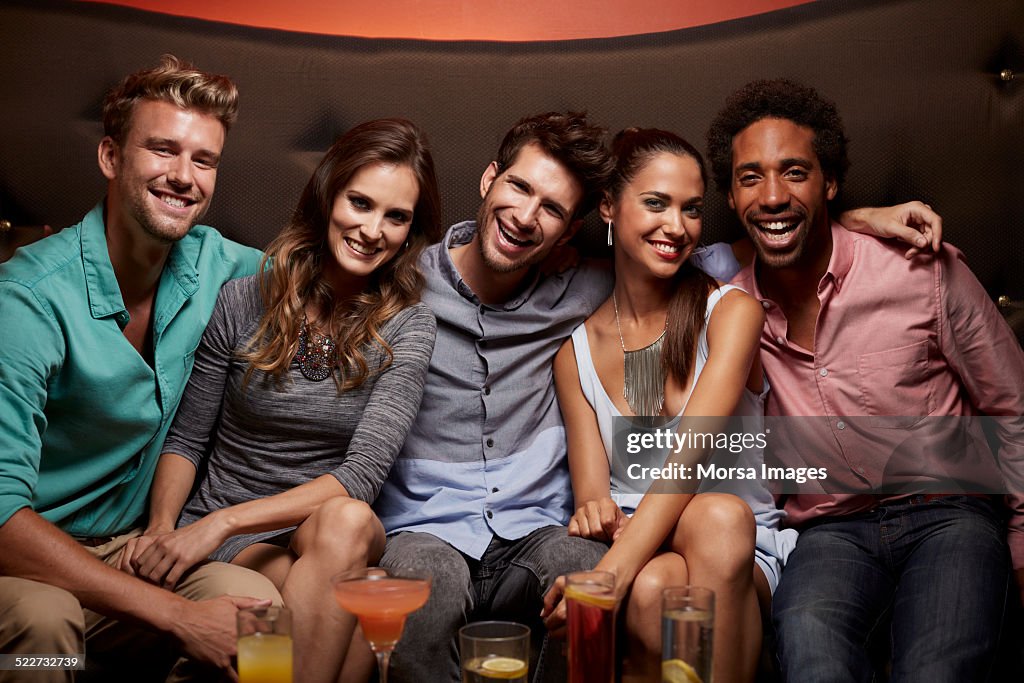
590,601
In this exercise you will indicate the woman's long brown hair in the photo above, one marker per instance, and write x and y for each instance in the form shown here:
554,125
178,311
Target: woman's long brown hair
633,148
292,269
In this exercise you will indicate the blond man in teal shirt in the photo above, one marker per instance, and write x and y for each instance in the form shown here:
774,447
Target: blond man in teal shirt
102,320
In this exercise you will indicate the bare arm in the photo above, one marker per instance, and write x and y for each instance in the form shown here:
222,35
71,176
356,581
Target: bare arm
206,630
596,516
913,222
170,555
171,484
733,335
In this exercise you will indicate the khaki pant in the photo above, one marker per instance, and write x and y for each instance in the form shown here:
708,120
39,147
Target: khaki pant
36,618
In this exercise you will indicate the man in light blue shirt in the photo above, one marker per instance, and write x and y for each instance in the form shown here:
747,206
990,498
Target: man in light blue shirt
102,320
480,493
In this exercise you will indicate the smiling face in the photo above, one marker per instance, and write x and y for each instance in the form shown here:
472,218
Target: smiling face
162,176
779,192
527,210
370,221
657,215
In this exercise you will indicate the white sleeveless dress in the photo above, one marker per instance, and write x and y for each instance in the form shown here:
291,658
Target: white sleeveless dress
773,545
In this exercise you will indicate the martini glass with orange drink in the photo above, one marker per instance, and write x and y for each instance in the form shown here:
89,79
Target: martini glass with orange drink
381,599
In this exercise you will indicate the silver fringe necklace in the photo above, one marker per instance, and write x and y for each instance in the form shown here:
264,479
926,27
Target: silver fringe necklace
644,374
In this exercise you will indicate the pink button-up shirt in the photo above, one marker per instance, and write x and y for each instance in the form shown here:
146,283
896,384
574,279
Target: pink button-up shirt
896,340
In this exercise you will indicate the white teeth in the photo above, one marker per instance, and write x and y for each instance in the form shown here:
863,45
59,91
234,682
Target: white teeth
512,240
667,248
361,248
173,201
777,226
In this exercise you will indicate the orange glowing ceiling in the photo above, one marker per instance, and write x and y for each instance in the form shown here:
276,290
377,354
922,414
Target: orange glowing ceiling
504,20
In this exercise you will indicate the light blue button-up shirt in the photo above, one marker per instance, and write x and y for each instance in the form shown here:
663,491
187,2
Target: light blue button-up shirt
486,455
82,415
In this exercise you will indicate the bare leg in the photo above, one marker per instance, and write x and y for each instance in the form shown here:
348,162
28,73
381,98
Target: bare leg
342,534
716,536
643,616
360,663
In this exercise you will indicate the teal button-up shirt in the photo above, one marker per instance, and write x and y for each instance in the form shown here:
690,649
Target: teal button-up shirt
82,415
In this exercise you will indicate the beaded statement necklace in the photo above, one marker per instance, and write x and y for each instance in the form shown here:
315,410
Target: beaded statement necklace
643,372
317,354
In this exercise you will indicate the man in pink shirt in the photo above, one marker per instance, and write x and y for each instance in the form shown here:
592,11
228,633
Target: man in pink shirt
883,351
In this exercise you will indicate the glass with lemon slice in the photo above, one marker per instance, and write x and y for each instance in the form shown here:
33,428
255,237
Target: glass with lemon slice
687,627
494,651
590,606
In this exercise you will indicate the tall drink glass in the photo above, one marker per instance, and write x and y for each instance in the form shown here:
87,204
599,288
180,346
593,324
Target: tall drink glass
687,626
494,650
590,600
381,599
264,645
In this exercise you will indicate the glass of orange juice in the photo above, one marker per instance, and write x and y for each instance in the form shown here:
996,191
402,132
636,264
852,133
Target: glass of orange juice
590,602
265,645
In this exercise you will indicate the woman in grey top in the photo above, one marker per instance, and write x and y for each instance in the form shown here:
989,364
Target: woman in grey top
304,386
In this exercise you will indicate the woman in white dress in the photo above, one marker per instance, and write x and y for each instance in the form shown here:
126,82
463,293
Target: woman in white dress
672,342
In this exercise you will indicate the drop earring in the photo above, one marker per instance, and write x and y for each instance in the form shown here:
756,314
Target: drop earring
609,233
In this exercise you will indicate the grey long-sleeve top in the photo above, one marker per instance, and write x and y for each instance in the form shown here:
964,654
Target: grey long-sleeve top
263,439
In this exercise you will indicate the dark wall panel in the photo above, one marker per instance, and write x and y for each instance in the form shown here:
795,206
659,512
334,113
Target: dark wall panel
917,81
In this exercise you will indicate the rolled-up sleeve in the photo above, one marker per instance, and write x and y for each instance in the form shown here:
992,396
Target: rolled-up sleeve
29,357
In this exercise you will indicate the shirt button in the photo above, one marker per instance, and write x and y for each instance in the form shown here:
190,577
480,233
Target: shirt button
823,372
490,515
494,490
780,340
487,391
765,305
490,443
840,425
860,470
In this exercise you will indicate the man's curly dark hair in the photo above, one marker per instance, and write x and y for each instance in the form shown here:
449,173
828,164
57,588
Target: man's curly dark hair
778,99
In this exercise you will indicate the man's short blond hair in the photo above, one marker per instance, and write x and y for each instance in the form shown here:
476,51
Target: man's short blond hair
173,80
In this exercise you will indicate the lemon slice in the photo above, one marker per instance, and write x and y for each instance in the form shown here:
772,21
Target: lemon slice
504,667
597,600
678,671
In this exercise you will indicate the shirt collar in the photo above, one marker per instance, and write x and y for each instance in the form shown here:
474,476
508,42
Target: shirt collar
100,282
843,245
458,235
839,263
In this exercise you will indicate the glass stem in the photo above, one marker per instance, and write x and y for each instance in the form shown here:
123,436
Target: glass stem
383,660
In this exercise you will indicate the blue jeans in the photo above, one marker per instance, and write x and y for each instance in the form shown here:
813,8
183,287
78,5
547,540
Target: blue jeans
507,583
936,573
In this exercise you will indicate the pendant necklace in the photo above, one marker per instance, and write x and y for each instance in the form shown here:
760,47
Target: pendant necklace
316,355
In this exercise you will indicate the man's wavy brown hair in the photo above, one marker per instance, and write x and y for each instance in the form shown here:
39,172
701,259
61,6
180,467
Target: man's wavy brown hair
175,81
294,277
